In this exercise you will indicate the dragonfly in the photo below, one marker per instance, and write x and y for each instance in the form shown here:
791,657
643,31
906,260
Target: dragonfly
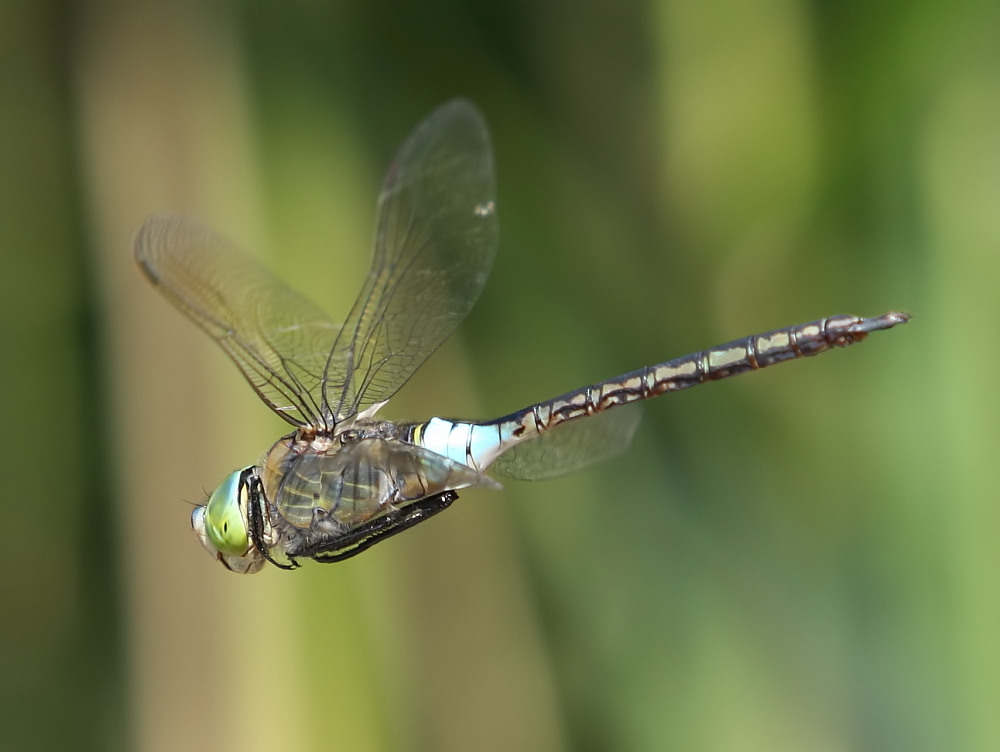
343,479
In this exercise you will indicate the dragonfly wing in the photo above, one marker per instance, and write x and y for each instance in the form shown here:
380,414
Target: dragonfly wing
435,241
570,446
277,338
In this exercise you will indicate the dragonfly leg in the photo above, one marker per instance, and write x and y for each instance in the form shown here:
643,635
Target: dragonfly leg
255,518
376,530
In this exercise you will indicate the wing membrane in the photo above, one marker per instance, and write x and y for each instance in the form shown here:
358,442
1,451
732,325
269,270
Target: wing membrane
279,340
570,446
435,242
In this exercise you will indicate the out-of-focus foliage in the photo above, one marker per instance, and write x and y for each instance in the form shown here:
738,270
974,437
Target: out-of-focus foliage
802,559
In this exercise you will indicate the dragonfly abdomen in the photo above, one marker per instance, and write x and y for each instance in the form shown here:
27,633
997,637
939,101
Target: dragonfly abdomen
479,444
762,350
474,445
731,359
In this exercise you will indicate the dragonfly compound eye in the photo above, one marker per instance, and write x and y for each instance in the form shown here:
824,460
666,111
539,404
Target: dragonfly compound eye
224,517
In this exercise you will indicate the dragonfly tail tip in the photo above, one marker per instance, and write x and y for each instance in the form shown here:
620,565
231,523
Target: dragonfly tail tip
878,323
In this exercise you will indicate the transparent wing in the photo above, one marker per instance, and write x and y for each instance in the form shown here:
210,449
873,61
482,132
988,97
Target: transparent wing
435,240
570,446
277,338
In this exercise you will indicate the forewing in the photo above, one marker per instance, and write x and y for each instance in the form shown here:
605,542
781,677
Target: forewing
277,338
570,446
435,241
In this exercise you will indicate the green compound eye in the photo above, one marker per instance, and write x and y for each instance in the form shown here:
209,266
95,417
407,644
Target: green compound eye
225,518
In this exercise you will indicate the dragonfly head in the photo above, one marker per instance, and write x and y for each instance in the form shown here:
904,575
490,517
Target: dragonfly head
222,524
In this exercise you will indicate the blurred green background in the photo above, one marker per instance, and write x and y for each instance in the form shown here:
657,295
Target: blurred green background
804,559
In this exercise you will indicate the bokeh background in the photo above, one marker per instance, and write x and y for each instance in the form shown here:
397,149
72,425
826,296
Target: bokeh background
804,559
